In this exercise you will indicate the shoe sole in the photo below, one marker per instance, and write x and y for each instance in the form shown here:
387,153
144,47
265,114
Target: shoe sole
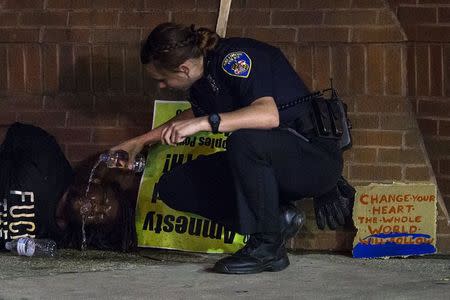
270,266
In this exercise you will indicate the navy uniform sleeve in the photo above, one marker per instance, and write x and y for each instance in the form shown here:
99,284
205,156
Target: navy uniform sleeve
248,74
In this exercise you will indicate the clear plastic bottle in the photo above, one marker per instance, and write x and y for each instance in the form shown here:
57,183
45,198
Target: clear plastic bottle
28,246
119,159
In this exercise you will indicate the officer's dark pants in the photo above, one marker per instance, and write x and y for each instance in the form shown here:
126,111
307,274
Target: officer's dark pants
244,186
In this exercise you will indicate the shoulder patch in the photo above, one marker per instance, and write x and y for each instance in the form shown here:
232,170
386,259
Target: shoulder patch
237,64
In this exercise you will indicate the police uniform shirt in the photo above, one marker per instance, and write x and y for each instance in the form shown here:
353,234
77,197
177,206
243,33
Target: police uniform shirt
239,71
34,174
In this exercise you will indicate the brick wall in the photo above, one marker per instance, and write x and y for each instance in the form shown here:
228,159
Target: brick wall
72,67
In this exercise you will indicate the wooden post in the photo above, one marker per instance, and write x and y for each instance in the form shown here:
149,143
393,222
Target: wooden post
222,20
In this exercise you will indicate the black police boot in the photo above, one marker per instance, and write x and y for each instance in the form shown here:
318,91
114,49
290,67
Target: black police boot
291,221
261,253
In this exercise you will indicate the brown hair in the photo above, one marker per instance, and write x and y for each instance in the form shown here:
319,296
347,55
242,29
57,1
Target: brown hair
169,45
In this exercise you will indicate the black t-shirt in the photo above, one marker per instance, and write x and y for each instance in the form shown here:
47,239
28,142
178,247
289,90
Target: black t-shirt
239,71
34,174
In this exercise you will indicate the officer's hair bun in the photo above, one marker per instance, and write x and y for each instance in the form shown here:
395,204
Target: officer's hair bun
206,39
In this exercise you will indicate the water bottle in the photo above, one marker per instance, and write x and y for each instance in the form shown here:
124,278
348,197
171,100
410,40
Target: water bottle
120,158
27,246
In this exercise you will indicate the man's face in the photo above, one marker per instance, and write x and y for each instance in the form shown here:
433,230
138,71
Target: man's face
172,80
100,207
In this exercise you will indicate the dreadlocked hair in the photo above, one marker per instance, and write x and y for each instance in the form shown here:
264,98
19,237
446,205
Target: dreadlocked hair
170,44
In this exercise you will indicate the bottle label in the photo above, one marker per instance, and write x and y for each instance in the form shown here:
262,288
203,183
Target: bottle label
26,247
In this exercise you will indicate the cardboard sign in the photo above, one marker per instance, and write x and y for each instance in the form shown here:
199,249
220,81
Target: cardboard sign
158,225
395,220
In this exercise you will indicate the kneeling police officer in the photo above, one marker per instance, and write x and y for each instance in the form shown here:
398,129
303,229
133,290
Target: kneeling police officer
278,150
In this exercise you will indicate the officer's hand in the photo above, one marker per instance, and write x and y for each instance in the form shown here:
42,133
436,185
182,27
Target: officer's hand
334,208
178,131
132,147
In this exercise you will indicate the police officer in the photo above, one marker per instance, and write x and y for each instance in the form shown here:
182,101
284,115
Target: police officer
238,85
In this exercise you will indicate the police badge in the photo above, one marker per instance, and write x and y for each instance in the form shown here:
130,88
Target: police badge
237,64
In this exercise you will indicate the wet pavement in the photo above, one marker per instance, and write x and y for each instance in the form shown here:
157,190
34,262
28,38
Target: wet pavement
160,274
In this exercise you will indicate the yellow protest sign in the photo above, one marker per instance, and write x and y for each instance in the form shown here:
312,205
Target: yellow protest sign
159,226
395,220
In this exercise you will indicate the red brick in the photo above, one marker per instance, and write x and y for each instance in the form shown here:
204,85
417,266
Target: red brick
19,35
375,64
384,104
43,119
200,19
283,4
22,4
411,70
417,173
111,4
397,122
444,14
413,138
6,118
303,64
33,69
66,69
427,126
69,102
133,69
91,119
44,18
444,185
437,147
433,108
322,34
444,128
115,135
357,69
422,71
24,103
100,68
93,18
351,17
339,71
368,3
70,135
297,17
443,244
136,119
249,17
364,121
67,4
405,156
327,4
125,103
443,227
447,70
444,166
321,67
66,35
8,19
77,153
364,155
16,69
375,138
50,68
393,70
212,5
387,17
141,19
3,71
377,34
116,68
173,5
271,34
116,36
436,70
376,173
416,15
83,77
433,33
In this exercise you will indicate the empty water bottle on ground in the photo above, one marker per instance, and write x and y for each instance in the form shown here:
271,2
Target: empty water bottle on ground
28,246
120,159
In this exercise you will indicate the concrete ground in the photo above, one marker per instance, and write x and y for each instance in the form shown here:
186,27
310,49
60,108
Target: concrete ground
158,274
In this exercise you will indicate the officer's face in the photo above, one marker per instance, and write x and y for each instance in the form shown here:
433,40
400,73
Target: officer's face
174,80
